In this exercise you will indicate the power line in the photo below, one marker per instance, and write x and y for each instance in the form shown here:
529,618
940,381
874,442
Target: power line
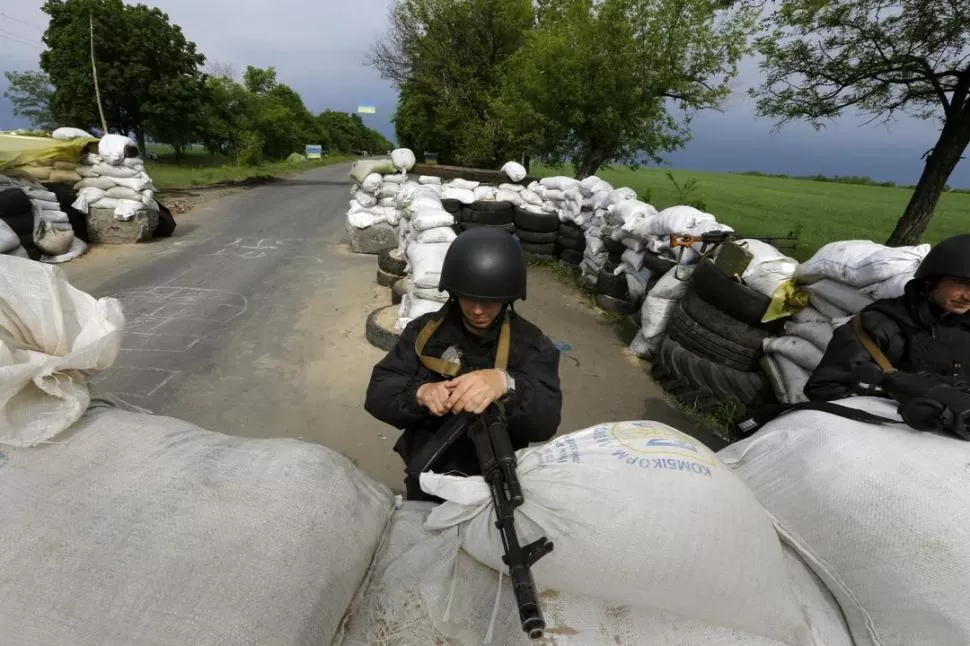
18,39
22,22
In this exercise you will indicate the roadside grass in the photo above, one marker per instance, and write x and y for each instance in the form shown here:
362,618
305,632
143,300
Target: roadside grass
817,211
198,168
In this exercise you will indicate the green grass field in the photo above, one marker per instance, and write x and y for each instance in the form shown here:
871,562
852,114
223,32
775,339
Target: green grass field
819,212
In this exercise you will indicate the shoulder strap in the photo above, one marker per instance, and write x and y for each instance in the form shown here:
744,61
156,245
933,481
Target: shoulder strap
753,423
450,368
874,351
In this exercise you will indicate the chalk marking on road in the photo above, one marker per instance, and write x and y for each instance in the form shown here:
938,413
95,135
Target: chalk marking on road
169,375
191,342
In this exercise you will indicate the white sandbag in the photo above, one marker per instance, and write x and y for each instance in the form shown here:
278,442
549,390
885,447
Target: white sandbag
809,314
511,188
786,378
55,217
881,513
389,191
847,298
134,162
142,529
364,167
463,195
818,333
424,590
429,294
825,307
530,197
362,219
9,240
128,209
891,288
413,306
633,258
589,184
559,182
120,172
366,200
636,282
768,269
19,252
514,171
403,159
91,159
386,201
50,240
87,172
78,248
66,133
463,184
484,193
372,183
633,210
429,179
860,262
507,196
53,337
425,202
436,234
111,148
633,244
674,283
425,261
594,244
395,178
801,351
41,196
590,491
123,193
431,219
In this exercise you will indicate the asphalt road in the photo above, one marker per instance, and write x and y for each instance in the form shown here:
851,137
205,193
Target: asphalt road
250,321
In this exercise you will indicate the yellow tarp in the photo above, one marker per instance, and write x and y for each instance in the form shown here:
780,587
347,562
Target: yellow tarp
22,151
787,300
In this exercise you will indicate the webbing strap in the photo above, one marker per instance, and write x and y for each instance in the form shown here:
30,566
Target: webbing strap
451,368
878,356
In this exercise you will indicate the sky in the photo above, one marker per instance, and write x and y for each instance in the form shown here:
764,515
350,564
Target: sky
318,47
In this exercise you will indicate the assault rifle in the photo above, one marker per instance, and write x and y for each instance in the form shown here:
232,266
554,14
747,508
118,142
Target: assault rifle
926,403
714,238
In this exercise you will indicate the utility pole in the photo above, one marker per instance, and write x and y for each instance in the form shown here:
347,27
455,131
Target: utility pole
94,70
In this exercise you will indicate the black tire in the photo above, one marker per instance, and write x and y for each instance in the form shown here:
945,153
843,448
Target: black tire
613,305
697,382
610,285
731,297
486,206
571,256
391,261
398,290
723,324
166,222
491,217
532,237
616,258
22,223
536,222
508,228
657,263
576,244
379,327
610,265
698,339
452,206
385,279
614,247
574,268
570,230
543,249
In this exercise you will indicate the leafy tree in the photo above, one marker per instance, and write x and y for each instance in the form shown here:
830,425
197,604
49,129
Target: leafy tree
595,81
30,93
876,57
447,58
140,55
177,117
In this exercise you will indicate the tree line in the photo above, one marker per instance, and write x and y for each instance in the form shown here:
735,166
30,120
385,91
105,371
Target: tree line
153,84
597,82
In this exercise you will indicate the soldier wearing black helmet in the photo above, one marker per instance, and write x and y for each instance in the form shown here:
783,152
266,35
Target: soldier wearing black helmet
927,330
474,352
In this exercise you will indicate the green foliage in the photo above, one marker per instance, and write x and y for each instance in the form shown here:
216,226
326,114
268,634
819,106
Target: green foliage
595,81
141,57
688,193
30,94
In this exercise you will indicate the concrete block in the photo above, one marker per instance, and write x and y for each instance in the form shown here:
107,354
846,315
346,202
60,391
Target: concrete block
374,239
104,228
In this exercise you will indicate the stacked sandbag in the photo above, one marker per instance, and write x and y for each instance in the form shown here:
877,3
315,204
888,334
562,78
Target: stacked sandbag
51,234
841,279
880,512
655,232
17,216
599,495
430,233
658,306
115,178
370,205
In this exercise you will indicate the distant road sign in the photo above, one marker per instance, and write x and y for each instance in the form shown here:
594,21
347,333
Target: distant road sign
366,109
314,151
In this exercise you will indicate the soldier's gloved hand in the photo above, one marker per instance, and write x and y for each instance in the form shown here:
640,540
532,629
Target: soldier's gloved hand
473,392
434,396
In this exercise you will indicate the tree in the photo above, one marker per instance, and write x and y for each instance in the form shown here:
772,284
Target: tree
879,58
140,56
30,93
595,81
447,57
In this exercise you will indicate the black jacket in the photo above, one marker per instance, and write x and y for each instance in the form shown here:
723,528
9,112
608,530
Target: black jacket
533,412
914,333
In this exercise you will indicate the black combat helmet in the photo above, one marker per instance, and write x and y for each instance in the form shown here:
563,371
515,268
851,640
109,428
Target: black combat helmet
949,258
484,264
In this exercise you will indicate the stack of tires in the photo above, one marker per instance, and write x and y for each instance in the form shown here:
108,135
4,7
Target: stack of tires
709,359
391,266
16,210
486,213
612,292
453,207
537,232
570,244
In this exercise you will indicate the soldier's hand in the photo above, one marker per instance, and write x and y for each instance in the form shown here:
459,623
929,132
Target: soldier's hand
434,397
473,392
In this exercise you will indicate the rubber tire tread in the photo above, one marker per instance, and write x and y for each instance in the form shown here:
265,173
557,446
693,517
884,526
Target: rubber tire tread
721,324
571,243
508,228
731,297
378,336
569,230
535,222
615,305
543,249
385,279
166,222
610,285
698,339
471,216
398,290
657,263
535,237
451,205
491,206
614,247
390,261
695,381
571,256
